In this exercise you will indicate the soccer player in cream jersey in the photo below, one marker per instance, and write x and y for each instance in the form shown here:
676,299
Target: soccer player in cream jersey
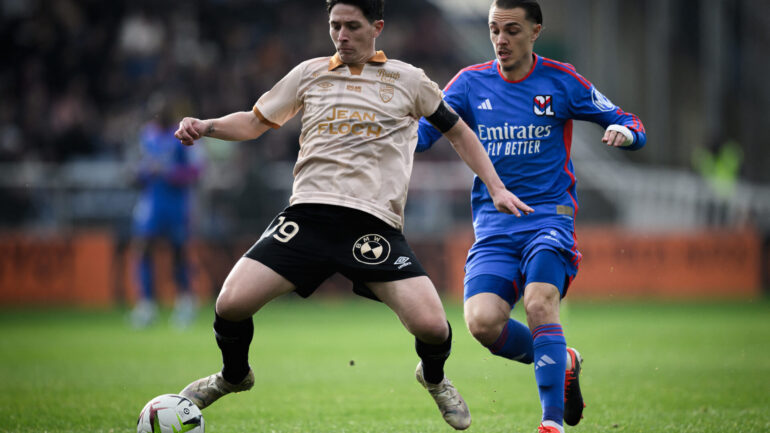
360,114
521,106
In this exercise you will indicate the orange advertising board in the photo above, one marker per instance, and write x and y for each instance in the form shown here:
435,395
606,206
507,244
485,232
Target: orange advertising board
55,270
623,264
669,265
88,269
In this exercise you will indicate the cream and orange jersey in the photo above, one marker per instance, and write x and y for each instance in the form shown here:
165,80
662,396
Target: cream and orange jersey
359,130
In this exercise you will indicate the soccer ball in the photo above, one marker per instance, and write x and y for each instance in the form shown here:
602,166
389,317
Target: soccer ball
170,413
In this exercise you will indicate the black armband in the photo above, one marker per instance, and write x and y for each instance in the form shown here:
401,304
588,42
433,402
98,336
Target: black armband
444,118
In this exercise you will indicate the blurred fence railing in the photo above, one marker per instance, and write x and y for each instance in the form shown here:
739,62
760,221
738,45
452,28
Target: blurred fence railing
659,198
639,197
61,196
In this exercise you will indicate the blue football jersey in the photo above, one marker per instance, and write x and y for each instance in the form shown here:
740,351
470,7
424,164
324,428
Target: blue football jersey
526,128
166,173
166,170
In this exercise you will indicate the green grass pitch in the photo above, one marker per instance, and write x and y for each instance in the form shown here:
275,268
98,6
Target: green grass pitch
348,366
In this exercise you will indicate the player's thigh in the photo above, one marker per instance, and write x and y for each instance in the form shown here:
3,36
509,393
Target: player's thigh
546,279
417,304
249,286
299,245
494,266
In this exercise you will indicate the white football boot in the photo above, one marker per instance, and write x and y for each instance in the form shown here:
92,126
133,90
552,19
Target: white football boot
144,314
449,401
184,310
209,389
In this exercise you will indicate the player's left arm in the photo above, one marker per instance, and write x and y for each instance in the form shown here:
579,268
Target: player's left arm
470,149
455,96
623,130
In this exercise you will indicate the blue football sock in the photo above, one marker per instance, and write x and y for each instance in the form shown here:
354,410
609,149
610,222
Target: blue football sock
514,342
181,269
182,277
550,363
146,282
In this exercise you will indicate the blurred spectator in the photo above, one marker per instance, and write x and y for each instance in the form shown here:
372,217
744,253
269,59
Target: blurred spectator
166,174
73,65
720,165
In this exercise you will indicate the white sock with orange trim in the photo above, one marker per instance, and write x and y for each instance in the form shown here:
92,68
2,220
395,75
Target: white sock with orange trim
554,425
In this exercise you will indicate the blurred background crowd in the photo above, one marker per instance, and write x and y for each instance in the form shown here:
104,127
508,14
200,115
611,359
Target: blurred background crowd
80,78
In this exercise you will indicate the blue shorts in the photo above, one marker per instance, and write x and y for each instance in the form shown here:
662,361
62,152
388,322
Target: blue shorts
515,258
169,222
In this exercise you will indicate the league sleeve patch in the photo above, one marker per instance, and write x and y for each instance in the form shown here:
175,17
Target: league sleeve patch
600,101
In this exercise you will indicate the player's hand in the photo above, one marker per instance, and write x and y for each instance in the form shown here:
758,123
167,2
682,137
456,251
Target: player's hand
507,202
190,129
618,136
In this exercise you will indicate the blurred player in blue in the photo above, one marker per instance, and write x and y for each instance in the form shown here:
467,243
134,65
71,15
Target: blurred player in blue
166,174
521,106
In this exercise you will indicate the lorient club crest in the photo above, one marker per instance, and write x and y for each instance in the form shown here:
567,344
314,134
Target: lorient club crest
386,92
371,249
543,105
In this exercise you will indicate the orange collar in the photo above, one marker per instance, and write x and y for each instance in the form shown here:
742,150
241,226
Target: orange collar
335,62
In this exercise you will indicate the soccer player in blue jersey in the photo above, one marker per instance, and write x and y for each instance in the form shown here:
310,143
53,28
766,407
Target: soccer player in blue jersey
521,106
166,174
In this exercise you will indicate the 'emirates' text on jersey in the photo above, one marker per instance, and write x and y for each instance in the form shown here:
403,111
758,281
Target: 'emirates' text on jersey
526,128
359,130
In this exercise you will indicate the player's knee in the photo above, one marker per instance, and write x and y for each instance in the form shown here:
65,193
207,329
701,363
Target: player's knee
432,330
541,309
229,306
536,311
485,329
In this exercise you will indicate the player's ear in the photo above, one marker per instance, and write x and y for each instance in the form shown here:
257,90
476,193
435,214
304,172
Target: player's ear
536,29
378,26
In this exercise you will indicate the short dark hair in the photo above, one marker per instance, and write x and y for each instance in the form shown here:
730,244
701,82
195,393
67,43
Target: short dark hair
531,8
373,9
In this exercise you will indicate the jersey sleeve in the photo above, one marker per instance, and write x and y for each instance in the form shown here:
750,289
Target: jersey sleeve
454,95
427,134
589,104
427,96
283,101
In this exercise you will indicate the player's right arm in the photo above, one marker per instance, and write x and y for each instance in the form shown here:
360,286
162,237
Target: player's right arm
467,145
238,126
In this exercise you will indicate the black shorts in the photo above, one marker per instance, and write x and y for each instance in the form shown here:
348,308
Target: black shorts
308,243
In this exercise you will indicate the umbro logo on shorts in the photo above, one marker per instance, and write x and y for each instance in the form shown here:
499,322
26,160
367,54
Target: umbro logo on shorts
402,262
371,249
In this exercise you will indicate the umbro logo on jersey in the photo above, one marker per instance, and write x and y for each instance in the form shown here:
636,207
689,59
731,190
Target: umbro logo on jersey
486,105
402,262
543,361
